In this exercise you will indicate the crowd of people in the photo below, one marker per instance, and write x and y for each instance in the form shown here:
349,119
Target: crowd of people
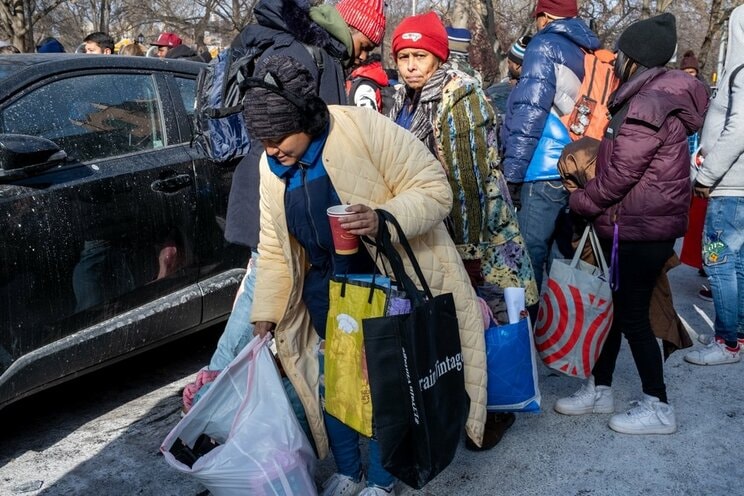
482,207
485,214
166,45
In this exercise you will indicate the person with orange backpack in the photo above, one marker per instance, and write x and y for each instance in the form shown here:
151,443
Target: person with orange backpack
552,74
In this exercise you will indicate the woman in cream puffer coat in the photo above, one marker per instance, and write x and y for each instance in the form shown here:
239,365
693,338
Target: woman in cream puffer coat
373,162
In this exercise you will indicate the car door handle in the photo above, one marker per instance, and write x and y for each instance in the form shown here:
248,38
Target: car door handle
172,184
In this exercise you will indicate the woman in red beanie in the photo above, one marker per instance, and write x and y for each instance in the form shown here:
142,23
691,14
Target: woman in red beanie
448,111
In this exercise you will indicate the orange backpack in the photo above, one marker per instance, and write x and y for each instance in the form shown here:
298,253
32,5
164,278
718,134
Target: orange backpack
590,116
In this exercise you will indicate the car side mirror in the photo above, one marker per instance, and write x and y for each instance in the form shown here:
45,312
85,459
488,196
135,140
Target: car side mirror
22,156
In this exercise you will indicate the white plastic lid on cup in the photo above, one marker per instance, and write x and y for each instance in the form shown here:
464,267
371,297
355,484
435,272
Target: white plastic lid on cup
338,211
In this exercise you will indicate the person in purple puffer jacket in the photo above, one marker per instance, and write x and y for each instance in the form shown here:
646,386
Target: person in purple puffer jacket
642,189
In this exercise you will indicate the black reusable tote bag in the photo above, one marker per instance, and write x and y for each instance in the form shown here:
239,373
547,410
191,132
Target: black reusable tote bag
416,375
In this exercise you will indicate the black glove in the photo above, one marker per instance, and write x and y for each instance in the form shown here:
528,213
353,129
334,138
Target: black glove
700,190
515,191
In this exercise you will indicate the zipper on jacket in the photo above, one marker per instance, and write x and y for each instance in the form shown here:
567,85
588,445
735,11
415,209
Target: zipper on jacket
303,171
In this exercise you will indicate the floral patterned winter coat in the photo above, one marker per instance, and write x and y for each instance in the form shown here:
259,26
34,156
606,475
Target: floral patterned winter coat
454,118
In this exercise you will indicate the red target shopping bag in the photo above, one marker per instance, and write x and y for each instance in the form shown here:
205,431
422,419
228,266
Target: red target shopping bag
575,312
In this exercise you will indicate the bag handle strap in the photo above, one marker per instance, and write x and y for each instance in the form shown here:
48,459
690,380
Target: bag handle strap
375,243
396,262
598,250
596,247
372,285
259,345
591,236
615,260
580,247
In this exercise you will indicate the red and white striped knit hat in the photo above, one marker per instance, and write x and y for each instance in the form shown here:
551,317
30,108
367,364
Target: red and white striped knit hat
365,15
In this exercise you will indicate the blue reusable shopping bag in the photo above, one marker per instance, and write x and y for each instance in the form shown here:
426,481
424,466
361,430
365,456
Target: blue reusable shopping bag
512,368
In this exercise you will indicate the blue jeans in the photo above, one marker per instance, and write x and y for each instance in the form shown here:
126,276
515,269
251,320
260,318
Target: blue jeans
344,443
238,330
542,202
723,258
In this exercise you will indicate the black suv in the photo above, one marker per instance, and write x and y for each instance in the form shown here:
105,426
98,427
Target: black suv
111,223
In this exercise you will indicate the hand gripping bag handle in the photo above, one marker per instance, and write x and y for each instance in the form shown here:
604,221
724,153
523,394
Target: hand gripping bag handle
396,262
251,349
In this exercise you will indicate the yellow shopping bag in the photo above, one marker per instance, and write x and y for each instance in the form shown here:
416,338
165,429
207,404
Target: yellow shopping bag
347,393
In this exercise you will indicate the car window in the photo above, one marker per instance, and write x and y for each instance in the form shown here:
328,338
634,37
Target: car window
187,87
92,116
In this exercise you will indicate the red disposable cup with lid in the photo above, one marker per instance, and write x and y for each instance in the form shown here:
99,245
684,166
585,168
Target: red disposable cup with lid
344,242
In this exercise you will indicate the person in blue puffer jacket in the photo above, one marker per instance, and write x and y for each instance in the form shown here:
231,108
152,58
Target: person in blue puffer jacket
552,72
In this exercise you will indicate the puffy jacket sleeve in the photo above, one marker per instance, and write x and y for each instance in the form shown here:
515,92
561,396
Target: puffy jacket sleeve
415,187
273,282
633,149
729,146
529,107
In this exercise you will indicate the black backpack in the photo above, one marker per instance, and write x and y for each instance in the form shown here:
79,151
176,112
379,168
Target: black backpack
219,125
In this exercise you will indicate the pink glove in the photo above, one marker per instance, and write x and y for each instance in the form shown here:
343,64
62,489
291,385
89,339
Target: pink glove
203,377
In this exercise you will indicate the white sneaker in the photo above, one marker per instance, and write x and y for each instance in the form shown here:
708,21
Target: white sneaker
342,485
648,416
716,353
588,399
705,339
377,491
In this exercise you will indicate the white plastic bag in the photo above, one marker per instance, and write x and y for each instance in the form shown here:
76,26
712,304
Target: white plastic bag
262,449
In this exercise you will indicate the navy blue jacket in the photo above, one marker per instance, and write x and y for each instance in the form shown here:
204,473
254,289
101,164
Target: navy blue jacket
552,72
308,195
